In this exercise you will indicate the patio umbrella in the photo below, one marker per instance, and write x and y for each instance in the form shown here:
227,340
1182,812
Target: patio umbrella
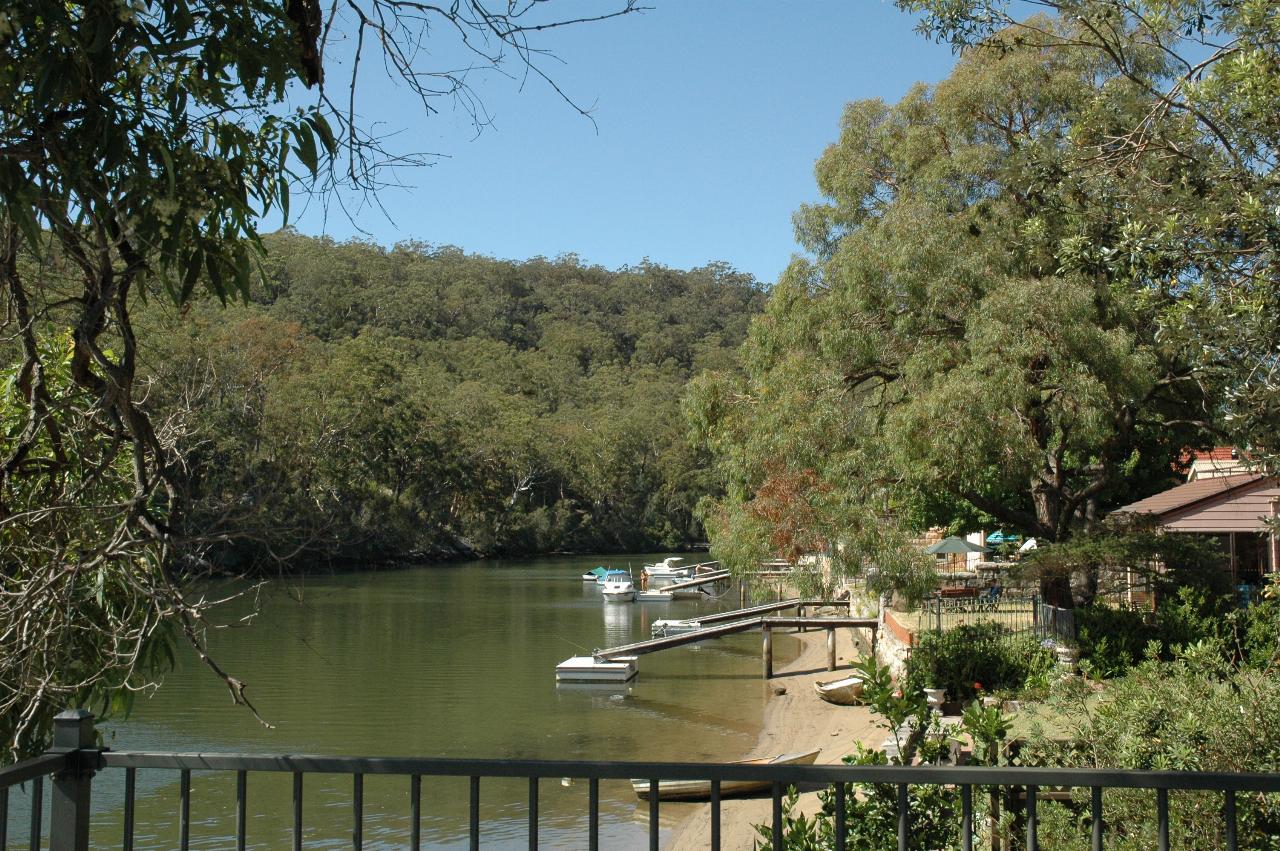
955,545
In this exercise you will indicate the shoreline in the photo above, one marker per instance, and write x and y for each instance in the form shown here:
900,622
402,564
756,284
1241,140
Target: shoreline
795,721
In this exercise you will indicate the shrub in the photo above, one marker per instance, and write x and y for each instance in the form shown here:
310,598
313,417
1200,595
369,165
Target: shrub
1112,640
1195,713
981,653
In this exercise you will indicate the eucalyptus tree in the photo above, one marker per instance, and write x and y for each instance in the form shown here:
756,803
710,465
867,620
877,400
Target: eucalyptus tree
953,346
141,143
1212,99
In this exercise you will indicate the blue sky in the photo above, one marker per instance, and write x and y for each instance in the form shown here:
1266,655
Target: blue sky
709,117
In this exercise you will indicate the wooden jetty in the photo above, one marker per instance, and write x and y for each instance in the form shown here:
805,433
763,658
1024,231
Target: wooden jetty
728,623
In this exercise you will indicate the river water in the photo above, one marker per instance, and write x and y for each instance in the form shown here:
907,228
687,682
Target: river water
440,661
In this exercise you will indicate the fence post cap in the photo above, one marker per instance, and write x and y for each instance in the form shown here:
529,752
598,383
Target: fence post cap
73,729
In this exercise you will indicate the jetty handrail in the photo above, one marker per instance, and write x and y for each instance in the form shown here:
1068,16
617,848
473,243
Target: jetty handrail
704,579
74,768
765,608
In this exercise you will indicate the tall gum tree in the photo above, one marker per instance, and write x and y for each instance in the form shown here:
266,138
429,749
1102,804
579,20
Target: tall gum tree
941,355
1211,108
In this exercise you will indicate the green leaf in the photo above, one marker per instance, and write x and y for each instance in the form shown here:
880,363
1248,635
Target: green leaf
306,146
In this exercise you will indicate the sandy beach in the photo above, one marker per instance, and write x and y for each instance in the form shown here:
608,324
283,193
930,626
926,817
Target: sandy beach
794,721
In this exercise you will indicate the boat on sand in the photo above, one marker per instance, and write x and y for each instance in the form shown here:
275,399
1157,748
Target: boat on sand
700,790
842,692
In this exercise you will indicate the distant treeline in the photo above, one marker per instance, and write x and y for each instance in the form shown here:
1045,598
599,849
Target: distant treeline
370,405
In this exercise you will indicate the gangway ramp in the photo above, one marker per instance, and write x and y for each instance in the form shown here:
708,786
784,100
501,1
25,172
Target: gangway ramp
714,576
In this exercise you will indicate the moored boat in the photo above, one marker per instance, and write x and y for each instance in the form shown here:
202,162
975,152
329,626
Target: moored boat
595,574
842,692
700,790
667,569
618,587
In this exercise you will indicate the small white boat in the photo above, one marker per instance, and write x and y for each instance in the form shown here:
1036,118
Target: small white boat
667,569
618,587
700,790
595,574
655,596
844,692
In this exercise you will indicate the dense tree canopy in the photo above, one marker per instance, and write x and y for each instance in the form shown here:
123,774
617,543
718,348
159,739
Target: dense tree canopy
371,404
985,328
1209,71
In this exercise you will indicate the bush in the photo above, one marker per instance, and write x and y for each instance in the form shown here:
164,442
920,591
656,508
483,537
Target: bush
1195,713
981,653
1112,640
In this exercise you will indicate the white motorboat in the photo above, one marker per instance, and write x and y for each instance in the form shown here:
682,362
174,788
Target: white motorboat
667,569
700,790
618,587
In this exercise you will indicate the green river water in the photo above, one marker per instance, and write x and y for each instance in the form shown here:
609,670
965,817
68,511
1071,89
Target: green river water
441,661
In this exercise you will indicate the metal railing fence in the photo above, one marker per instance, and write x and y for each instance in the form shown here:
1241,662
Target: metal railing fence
73,769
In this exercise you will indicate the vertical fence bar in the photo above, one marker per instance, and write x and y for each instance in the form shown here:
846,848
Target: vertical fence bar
715,814
474,827
1229,817
130,789
184,816
777,816
768,652
415,812
297,811
37,812
904,822
966,818
357,811
1095,812
937,610
841,827
533,814
4,817
653,814
241,816
1033,828
593,814
1162,819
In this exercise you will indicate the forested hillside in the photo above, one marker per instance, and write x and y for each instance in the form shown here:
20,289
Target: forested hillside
371,404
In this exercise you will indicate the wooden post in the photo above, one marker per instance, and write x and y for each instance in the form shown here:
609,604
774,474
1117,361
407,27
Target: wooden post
768,653
1275,536
800,613
831,649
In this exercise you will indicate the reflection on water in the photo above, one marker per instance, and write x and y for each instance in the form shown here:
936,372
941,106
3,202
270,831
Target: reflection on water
446,661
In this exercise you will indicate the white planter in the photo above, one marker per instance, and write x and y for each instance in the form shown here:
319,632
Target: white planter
936,697
1067,656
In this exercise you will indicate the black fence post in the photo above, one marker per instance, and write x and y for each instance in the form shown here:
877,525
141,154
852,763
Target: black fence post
73,734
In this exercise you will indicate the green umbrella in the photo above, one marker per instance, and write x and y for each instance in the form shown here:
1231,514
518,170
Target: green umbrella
955,545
